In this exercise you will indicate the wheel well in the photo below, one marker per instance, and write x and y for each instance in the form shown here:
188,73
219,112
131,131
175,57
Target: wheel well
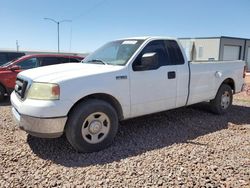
230,82
105,97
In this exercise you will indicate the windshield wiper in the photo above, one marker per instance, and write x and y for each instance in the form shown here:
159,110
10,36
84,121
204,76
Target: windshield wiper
98,61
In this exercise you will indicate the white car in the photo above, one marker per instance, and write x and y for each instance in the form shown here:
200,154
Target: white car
123,79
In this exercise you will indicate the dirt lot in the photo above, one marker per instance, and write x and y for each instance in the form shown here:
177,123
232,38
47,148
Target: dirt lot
187,147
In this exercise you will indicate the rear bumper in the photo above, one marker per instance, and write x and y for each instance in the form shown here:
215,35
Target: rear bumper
40,127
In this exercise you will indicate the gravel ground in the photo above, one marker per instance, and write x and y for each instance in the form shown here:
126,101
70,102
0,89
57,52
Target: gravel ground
186,147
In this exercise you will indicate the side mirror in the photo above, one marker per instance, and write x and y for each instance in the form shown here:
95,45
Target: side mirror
148,62
149,59
15,67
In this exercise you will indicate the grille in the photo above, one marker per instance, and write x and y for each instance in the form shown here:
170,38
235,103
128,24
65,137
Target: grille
20,87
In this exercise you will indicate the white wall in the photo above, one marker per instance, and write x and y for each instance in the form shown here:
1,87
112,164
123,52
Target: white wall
206,49
202,49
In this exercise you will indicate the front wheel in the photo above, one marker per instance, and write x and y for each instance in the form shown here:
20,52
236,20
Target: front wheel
92,126
223,100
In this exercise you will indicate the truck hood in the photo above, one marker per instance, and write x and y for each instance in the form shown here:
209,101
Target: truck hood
61,72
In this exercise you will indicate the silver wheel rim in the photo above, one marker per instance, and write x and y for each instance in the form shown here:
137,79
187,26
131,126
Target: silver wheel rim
225,100
96,127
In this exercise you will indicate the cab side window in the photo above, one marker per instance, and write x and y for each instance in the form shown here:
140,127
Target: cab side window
28,63
174,52
157,47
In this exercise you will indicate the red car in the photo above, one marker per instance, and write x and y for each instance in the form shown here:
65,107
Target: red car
9,71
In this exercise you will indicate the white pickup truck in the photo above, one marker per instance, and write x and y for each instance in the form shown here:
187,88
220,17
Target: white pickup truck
123,79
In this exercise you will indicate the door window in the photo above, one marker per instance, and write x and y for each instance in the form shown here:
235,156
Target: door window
28,63
157,47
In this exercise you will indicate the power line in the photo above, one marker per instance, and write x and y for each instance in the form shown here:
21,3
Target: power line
96,5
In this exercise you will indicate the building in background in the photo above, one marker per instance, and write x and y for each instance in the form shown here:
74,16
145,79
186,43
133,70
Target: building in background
217,48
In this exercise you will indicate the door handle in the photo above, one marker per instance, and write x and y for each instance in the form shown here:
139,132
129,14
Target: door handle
171,75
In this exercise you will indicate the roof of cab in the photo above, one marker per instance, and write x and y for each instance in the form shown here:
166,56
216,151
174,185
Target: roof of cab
147,38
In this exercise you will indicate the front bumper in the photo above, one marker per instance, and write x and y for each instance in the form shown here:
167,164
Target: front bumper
40,127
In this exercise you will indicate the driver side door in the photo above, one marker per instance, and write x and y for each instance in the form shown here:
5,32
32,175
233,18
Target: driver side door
153,89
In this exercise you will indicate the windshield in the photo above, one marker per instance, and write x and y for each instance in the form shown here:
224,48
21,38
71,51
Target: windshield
114,53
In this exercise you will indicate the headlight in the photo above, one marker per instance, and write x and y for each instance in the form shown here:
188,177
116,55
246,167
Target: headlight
44,91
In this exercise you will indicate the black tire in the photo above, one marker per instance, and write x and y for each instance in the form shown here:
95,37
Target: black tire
78,116
2,93
216,104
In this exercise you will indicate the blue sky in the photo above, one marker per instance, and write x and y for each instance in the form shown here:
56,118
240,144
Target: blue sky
98,21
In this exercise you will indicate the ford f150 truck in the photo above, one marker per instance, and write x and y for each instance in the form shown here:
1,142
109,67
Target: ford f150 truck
123,79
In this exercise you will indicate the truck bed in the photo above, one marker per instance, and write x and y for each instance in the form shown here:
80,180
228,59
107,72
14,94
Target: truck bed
206,77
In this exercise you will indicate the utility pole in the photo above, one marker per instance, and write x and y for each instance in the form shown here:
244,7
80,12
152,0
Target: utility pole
58,37
17,46
58,30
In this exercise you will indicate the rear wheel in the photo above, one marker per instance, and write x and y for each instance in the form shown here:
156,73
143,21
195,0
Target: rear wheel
2,93
92,125
223,100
